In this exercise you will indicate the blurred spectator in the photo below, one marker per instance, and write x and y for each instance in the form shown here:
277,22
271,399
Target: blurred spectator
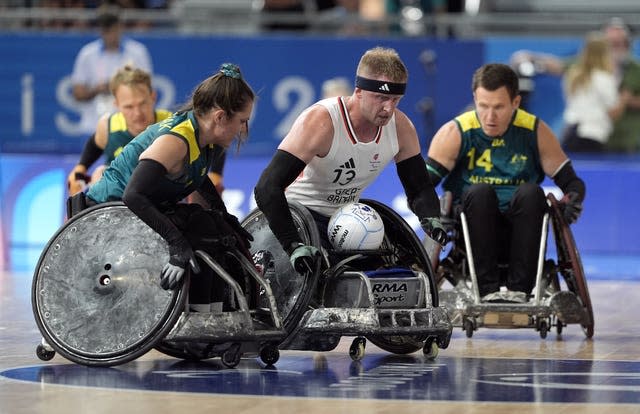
336,87
97,61
591,97
626,130
625,136
290,14
62,24
411,13
345,18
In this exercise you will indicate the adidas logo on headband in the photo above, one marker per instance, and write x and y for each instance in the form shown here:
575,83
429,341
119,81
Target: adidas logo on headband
390,88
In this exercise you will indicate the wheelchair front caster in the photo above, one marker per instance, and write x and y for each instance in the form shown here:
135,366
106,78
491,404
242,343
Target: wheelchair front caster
543,327
231,357
44,354
269,354
468,327
430,349
356,350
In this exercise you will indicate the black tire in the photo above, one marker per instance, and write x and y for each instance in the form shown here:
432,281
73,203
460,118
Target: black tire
468,327
570,263
269,354
44,354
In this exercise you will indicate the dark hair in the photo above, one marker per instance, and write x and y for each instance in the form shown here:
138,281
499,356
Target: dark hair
493,76
226,90
107,17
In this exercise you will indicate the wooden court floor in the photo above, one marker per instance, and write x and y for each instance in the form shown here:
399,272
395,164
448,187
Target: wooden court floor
496,371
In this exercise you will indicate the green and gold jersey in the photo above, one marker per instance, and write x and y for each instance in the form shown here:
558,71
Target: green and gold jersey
183,125
504,162
118,134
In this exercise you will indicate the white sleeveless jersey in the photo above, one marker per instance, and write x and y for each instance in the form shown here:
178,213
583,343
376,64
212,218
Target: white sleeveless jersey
339,178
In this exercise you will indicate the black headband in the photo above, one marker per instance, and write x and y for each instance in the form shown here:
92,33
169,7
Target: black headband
389,88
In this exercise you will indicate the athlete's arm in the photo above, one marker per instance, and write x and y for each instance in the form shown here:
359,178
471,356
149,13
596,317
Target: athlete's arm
269,194
92,150
408,143
102,132
552,157
445,145
216,173
412,171
311,135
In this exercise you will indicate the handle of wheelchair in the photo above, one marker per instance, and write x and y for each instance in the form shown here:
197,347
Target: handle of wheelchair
446,201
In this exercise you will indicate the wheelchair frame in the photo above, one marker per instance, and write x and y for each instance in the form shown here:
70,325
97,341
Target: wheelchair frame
112,269
550,306
320,314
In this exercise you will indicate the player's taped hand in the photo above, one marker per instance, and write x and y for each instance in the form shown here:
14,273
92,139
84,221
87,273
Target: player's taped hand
245,237
303,258
434,229
572,207
173,272
77,179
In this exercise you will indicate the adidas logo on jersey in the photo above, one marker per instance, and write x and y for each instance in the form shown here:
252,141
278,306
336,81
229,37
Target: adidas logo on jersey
349,164
384,88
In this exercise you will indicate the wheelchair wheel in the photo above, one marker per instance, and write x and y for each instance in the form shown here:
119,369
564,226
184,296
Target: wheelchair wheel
570,264
398,344
96,295
408,252
293,291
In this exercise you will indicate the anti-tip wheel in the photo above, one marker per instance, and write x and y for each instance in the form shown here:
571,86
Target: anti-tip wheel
430,349
468,328
44,354
356,350
231,357
543,327
269,354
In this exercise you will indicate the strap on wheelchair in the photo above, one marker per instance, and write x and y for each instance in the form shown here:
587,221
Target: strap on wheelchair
75,204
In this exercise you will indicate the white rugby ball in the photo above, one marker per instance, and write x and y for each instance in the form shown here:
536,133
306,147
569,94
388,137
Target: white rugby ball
355,226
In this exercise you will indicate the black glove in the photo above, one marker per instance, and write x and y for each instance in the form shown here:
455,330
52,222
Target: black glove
245,237
434,229
179,257
572,207
302,257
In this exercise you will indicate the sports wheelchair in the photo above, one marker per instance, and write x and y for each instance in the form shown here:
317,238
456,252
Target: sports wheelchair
556,301
387,296
97,299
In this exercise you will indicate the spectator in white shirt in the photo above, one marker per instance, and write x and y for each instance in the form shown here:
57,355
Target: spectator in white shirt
592,99
96,63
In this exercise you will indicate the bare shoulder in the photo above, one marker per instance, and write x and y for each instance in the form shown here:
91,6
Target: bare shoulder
168,150
404,126
311,134
447,136
102,131
445,144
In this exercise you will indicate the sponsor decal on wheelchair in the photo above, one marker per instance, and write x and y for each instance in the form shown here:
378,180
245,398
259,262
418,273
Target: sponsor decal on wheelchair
392,293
